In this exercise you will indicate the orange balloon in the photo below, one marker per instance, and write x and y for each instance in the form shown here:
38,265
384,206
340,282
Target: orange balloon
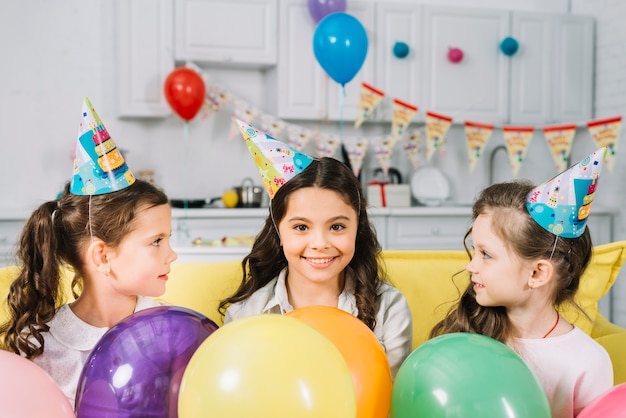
361,350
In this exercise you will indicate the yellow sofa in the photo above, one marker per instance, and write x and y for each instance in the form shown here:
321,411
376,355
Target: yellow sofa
425,278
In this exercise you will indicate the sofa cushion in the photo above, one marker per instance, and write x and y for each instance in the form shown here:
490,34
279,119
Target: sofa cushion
606,262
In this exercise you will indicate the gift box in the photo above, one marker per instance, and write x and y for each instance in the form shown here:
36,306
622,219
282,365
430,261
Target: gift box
382,195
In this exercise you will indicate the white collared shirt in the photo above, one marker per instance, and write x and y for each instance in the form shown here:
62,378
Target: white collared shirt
68,344
394,326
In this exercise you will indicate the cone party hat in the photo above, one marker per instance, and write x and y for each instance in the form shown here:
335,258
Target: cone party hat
276,161
99,166
562,204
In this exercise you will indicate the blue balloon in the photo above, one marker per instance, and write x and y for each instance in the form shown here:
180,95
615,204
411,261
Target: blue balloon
340,46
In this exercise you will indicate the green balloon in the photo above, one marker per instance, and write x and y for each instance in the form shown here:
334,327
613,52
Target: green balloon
466,375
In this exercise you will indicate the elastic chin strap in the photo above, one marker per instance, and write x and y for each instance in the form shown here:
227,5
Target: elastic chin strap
89,214
274,221
556,239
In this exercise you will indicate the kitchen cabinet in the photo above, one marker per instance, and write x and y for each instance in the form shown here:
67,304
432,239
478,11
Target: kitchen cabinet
549,79
399,78
477,87
552,73
143,30
226,32
414,228
304,90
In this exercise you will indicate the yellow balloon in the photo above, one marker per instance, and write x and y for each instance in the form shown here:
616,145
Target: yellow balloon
267,366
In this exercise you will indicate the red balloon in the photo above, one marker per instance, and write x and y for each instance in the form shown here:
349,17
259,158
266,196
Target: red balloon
610,404
185,91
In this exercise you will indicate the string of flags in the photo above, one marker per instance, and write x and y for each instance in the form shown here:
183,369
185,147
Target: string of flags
431,137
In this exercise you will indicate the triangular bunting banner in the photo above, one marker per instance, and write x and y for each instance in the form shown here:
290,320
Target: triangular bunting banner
244,112
370,98
384,149
606,134
559,140
436,128
298,137
402,114
516,139
412,147
476,135
356,148
327,145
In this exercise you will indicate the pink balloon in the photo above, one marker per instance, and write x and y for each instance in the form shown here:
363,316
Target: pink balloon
27,391
455,55
611,404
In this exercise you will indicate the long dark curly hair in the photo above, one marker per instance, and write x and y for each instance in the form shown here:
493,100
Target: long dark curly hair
54,237
266,259
530,241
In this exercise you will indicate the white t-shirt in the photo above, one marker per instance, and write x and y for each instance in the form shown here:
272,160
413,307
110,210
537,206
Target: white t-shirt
572,368
68,344
394,324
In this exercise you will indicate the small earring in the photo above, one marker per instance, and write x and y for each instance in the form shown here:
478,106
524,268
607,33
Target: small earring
531,284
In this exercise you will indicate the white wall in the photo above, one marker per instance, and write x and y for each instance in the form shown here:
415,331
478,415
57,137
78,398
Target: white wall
55,53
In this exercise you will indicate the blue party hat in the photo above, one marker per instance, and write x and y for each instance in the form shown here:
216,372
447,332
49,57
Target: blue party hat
99,166
562,204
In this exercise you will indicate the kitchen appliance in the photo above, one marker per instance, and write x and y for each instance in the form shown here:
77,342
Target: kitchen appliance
250,196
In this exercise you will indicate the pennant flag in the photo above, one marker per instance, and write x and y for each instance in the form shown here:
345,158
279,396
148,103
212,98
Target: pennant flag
271,125
412,146
436,128
327,145
606,134
243,112
356,148
516,139
298,137
559,140
384,149
476,136
370,98
402,115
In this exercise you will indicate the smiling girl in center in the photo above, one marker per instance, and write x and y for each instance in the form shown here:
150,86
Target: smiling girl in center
317,247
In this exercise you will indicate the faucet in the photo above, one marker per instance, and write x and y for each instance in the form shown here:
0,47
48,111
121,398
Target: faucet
492,157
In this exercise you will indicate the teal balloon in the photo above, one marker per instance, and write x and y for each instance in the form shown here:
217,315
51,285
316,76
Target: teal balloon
466,375
340,46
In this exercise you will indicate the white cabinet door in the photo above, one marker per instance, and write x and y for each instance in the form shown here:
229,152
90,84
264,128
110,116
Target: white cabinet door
300,81
552,73
144,56
346,107
231,32
399,78
477,87
531,68
305,91
573,68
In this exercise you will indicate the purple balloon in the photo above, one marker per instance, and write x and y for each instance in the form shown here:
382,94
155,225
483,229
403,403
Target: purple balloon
136,368
321,8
